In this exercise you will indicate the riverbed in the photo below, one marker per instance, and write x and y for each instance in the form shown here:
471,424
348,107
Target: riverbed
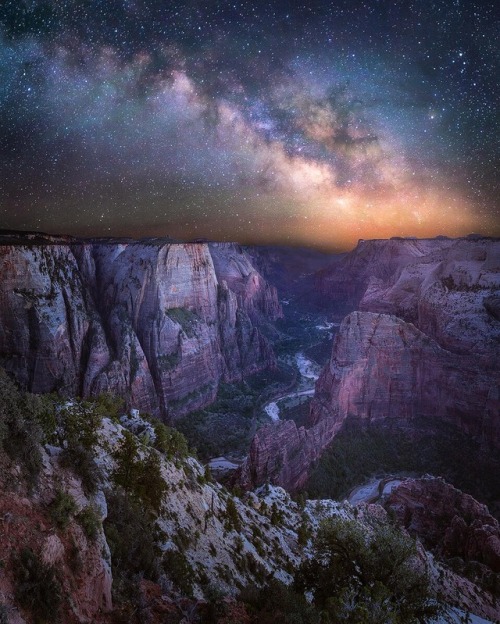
309,373
373,491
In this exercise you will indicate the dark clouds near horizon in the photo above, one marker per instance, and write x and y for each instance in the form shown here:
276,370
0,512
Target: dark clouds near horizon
315,123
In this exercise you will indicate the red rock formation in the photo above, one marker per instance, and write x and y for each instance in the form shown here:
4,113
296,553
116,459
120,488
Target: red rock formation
445,287
451,523
282,453
425,346
345,283
161,324
381,368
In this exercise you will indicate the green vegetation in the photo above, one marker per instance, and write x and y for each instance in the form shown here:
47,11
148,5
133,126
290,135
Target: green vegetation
62,509
275,603
232,515
139,476
78,433
82,461
366,578
169,441
24,418
227,426
357,454
185,318
37,588
200,394
89,521
177,568
107,404
130,534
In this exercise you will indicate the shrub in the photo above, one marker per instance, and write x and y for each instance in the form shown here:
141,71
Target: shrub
275,603
110,405
150,485
62,509
130,535
177,568
20,432
303,534
170,441
185,318
126,456
82,461
89,521
37,588
232,515
80,422
141,478
366,577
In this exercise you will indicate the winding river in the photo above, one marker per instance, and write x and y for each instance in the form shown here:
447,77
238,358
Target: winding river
309,373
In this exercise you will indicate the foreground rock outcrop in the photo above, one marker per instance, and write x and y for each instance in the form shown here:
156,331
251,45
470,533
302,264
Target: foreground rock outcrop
204,537
424,347
29,534
449,522
156,322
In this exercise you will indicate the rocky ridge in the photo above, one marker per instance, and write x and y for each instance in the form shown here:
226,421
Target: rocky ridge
256,540
159,323
449,522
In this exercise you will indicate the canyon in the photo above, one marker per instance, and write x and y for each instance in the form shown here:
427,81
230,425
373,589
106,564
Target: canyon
421,348
171,327
163,324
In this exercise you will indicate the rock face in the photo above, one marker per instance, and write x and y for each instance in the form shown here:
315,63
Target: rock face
83,563
383,368
424,345
283,453
158,323
451,523
345,283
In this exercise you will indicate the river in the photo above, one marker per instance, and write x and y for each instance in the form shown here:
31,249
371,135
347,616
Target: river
309,373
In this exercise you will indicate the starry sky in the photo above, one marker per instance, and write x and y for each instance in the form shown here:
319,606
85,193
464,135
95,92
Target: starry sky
313,123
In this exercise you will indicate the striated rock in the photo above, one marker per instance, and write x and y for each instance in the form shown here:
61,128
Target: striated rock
282,454
158,323
254,295
425,345
44,320
445,287
451,523
372,261
381,369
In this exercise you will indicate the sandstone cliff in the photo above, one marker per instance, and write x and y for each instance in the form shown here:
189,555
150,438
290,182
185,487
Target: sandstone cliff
159,323
425,346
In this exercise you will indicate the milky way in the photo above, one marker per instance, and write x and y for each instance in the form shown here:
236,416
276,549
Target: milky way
316,123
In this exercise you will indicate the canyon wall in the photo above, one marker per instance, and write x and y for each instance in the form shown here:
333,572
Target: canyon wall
424,345
156,322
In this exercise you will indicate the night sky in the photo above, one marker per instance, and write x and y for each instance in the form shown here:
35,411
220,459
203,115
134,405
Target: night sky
300,123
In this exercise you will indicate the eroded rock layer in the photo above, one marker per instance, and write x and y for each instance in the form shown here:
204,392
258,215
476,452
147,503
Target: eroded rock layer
159,323
425,345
